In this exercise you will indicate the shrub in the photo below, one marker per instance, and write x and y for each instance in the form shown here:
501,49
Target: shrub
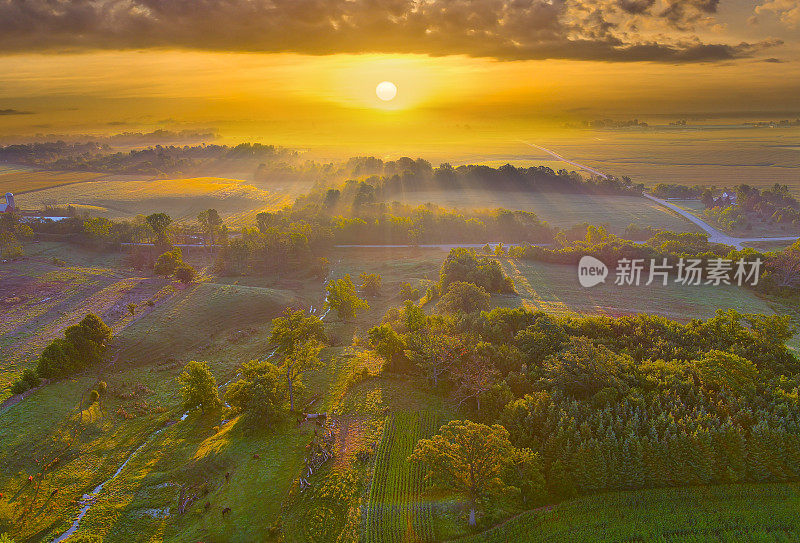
463,297
167,263
185,273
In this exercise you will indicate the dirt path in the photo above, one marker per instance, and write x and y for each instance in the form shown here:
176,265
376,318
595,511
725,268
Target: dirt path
714,235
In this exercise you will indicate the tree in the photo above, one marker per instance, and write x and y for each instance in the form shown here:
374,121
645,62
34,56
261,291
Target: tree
720,369
389,345
473,376
199,387
185,273
159,222
211,223
57,359
259,393
293,329
582,369
295,365
463,297
466,457
168,262
408,293
434,351
341,296
371,284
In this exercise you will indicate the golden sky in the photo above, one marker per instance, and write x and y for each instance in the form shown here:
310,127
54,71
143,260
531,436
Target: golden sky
303,72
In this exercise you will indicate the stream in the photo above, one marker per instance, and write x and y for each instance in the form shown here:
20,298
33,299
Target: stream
88,500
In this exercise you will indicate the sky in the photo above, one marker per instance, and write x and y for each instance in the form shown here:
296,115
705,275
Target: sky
304,72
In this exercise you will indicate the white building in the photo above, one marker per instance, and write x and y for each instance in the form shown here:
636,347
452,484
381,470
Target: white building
8,207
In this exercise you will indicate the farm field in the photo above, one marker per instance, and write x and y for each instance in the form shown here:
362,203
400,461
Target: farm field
20,180
562,210
396,510
40,299
554,288
706,156
744,512
236,200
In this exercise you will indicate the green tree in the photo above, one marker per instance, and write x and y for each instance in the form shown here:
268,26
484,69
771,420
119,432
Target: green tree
720,369
159,222
466,457
293,329
341,296
199,387
185,273
211,223
371,284
168,262
303,359
389,345
57,359
259,393
463,297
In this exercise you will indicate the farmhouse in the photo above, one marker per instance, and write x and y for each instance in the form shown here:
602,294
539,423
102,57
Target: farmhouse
8,207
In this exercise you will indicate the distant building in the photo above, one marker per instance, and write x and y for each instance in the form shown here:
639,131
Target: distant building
8,207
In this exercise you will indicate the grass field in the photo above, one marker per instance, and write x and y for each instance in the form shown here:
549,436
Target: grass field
554,288
747,512
22,181
40,299
563,210
183,199
691,156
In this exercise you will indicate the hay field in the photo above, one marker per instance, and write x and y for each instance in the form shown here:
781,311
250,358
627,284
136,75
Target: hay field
20,181
183,199
693,156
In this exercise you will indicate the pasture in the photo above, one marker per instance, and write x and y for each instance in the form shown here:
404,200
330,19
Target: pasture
236,200
20,180
562,210
739,512
554,288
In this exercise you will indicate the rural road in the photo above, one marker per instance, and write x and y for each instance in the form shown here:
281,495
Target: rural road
714,235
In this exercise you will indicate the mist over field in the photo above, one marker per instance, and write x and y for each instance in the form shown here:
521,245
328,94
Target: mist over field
383,272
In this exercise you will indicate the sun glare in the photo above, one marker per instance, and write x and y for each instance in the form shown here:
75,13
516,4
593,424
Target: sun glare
386,91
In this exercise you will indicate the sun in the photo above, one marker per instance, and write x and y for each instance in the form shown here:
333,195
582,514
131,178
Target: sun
386,90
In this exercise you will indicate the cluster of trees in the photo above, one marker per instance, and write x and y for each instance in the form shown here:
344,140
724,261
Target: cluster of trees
171,263
780,272
465,265
155,160
12,234
612,403
671,190
82,346
264,390
388,178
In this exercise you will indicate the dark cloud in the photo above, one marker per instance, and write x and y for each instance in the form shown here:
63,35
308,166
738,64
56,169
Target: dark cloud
504,29
14,112
636,7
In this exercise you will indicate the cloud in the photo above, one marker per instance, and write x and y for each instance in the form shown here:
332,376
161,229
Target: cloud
503,29
14,112
787,11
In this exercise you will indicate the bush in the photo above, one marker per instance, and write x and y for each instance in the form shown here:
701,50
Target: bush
463,297
167,263
408,293
26,381
185,273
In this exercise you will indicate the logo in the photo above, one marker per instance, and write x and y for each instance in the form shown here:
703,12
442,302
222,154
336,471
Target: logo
591,271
